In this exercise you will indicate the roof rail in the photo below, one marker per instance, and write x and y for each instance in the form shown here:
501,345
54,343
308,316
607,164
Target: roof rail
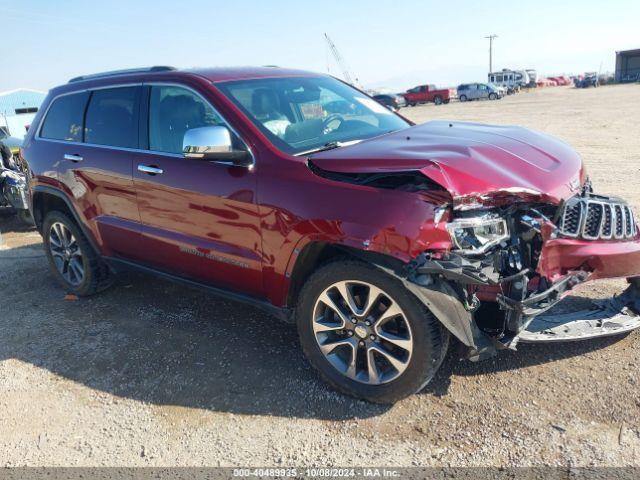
113,73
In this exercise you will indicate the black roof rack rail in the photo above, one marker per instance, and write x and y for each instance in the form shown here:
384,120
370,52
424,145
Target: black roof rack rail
113,73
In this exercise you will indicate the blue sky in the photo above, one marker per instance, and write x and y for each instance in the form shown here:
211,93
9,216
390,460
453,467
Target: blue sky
385,43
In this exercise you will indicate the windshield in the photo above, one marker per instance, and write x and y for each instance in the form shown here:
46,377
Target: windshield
303,114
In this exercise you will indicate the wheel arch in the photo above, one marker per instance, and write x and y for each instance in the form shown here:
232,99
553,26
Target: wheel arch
317,253
46,199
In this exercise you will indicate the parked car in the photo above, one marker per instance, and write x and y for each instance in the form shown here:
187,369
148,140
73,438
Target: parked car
395,102
502,91
478,91
428,93
378,238
589,80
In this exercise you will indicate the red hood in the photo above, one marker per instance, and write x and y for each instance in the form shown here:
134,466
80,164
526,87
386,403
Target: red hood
478,164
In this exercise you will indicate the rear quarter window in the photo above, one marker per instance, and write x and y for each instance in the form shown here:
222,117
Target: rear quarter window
64,118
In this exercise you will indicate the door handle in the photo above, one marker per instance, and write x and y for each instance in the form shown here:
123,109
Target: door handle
72,157
150,169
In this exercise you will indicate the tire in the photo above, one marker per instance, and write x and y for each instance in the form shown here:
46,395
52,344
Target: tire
78,253
426,340
463,98
492,96
447,101
437,100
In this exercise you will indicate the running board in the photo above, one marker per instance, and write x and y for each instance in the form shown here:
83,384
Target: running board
613,316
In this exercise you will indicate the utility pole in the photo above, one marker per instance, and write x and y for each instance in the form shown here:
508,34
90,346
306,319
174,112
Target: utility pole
491,37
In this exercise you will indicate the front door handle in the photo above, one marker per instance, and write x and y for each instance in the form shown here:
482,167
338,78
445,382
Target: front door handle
150,169
72,157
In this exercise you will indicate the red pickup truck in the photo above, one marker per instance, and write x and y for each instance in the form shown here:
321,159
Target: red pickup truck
428,93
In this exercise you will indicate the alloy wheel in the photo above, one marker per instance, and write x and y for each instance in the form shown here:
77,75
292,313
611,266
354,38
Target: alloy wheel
66,254
363,332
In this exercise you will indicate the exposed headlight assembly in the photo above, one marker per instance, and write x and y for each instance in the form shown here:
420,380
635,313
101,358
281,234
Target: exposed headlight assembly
475,235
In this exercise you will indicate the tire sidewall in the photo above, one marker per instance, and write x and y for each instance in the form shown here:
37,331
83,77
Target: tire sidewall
421,367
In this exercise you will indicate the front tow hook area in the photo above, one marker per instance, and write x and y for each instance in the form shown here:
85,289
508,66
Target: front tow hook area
612,316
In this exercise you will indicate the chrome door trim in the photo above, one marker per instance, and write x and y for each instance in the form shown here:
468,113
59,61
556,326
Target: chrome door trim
151,170
72,157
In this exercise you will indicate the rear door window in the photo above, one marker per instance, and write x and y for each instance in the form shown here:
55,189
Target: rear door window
112,117
64,118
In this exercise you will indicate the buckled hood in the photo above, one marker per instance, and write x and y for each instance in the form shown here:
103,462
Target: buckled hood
477,164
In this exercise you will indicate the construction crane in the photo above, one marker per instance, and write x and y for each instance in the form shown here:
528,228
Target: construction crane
341,63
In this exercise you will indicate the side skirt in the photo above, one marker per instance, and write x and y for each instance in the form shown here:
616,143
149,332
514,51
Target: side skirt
280,313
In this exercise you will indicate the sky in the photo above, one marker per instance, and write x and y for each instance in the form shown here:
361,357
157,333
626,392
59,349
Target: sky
393,44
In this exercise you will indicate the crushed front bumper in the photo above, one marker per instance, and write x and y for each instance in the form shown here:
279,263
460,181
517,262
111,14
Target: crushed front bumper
443,285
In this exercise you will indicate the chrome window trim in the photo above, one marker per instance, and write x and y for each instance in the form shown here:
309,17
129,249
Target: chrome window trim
38,134
39,137
110,147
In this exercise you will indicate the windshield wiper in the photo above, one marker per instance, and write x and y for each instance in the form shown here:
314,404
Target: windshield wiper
330,146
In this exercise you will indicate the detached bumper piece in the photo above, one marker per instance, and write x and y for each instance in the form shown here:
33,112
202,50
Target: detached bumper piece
613,316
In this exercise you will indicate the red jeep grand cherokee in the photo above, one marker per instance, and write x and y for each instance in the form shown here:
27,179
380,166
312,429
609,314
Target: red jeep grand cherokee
302,195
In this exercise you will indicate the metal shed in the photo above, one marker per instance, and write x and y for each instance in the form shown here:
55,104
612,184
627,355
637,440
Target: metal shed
17,109
628,65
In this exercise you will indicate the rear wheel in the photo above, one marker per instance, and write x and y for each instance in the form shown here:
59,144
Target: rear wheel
366,334
463,98
75,264
437,100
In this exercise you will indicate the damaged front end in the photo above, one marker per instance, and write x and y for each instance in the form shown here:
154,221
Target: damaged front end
515,227
511,264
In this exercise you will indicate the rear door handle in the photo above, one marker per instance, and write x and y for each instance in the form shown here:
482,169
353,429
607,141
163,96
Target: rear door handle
72,157
150,169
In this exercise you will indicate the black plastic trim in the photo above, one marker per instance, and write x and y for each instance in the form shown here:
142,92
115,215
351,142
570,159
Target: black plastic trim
284,314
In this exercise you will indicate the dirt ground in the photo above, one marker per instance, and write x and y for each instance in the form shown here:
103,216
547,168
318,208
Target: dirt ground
150,373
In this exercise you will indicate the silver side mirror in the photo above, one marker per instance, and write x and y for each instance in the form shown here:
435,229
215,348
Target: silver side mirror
214,144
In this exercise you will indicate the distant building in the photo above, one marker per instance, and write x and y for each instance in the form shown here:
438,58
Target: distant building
627,64
17,109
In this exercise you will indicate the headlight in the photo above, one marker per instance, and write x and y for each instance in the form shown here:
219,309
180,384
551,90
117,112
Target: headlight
476,235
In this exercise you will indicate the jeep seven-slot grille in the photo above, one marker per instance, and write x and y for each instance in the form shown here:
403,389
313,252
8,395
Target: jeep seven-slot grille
597,218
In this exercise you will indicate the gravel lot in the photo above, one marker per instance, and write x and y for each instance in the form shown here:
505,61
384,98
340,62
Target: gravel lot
150,373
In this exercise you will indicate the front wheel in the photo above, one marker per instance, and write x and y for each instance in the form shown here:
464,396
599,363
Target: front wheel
492,96
463,98
366,334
